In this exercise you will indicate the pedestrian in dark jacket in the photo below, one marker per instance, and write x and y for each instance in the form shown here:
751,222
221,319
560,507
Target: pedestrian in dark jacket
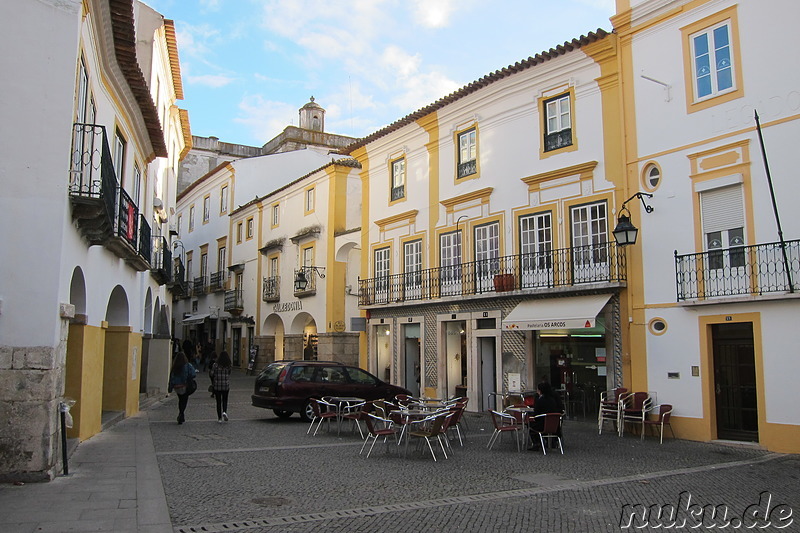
547,402
221,382
180,376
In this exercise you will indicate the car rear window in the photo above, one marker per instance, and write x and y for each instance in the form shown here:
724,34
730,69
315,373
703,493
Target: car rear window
331,374
270,374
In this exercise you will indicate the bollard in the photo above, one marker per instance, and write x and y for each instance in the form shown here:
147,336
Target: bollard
63,409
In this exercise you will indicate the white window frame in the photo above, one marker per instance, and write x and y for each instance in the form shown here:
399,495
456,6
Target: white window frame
450,259
536,248
191,218
276,214
589,223
559,113
398,179
223,199
206,208
412,266
382,267
119,156
487,254
715,65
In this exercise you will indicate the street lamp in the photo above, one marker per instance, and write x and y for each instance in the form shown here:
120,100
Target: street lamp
301,279
625,233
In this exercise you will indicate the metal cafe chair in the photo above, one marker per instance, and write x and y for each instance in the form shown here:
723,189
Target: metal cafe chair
610,402
664,413
551,429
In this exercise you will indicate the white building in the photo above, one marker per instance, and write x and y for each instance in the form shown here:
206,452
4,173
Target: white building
92,142
487,258
713,308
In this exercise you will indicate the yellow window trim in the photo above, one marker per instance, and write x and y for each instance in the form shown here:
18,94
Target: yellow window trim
408,216
457,146
392,161
272,214
380,246
305,200
552,209
543,123
481,194
584,170
207,220
644,178
221,196
693,105
413,238
246,228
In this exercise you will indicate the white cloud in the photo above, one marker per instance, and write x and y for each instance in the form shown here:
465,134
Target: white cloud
265,118
210,80
433,13
400,62
423,89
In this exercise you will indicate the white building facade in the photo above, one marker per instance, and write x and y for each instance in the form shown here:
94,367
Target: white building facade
84,314
717,298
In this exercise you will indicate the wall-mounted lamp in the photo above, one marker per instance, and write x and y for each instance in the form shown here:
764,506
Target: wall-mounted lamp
302,278
625,233
179,244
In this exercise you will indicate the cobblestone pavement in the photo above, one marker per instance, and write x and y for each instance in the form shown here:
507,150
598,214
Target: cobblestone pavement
257,473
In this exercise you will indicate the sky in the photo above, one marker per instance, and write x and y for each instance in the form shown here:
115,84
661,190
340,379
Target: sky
249,65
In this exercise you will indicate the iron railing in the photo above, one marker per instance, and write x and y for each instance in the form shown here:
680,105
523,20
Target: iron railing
467,168
234,300
162,260
398,192
740,270
217,281
91,173
272,289
311,279
145,241
558,139
603,263
199,285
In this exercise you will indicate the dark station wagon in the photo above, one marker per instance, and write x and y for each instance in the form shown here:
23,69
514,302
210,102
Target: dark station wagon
287,386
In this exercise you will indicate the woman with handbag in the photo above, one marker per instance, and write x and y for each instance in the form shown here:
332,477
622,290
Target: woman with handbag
182,381
221,381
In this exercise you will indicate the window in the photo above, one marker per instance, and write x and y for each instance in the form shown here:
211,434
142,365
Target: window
722,212
558,123
382,270
239,232
206,208
204,266
273,267
536,247
712,61
589,242
180,222
412,267
398,179
308,256
222,259
450,262
276,212
487,253
309,207
651,177
467,153
137,184
188,267
223,200
191,218
239,281
119,155
249,228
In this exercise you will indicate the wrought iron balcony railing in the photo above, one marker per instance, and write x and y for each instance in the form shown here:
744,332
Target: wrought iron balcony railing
467,168
217,281
311,279
398,192
234,301
742,270
145,241
558,139
161,265
272,289
547,269
199,285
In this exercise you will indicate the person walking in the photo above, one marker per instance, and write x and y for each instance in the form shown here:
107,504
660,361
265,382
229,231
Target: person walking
221,382
181,378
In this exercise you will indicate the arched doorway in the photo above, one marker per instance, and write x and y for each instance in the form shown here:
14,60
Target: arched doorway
121,359
274,331
305,325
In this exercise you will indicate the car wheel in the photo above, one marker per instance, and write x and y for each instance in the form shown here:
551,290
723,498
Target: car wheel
307,413
280,413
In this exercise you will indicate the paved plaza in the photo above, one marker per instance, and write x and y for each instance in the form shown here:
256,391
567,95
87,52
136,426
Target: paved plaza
257,473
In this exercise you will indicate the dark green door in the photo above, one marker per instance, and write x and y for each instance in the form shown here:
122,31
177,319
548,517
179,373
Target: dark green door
735,381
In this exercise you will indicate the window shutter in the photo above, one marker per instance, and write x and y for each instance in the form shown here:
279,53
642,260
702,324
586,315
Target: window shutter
722,209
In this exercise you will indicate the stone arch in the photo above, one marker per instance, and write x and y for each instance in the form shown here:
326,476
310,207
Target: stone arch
304,328
275,328
301,323
117,310
77,291
147,325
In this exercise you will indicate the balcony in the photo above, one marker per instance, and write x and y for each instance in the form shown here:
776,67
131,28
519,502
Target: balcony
558,139
739,271
311,285
162,261
467,168
272,289
540,271
199,285
234,301
217,281
178,284
103,212
398,192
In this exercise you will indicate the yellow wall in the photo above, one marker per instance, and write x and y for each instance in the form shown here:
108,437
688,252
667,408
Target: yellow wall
84,379
120,371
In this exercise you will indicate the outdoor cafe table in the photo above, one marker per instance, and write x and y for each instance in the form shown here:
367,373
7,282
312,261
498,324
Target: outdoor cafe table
343,406
525,414
409,415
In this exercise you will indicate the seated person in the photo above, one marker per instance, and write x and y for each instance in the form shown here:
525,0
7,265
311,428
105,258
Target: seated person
547,402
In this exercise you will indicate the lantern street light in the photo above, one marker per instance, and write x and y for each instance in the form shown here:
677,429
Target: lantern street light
625,233
302,278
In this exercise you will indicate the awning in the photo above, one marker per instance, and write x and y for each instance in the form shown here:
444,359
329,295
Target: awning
574,312
195,319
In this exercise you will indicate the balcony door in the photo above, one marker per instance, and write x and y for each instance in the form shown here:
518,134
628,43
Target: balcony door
536,247
722,212
450,263
412,267
589,243
382,266
487,256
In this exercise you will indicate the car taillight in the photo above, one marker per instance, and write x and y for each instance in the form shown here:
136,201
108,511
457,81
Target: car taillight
282,376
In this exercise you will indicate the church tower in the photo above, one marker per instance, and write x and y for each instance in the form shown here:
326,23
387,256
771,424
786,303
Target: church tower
312,116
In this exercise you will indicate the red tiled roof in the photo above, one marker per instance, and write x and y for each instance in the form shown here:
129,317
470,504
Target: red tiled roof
478,84
124,32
